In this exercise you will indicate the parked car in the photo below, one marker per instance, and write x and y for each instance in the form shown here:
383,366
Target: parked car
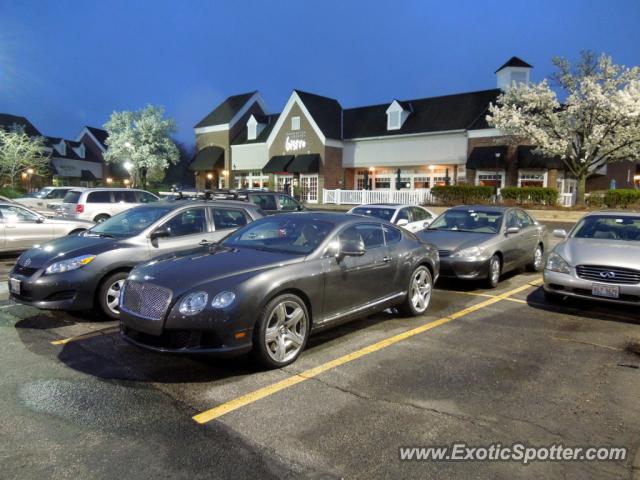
483,242
268,285
412,217
22,228
42,200
100,204
270,202
599,259
88,270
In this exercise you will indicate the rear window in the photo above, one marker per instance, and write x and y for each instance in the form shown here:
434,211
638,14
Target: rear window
99,197
72,197
121,196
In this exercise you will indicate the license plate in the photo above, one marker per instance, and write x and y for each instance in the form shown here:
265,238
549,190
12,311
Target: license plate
14,286
609,291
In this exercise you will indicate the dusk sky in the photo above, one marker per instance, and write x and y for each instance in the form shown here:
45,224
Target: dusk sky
67,64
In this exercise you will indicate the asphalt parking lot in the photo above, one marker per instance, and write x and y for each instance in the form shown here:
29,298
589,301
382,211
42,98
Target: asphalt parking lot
482,366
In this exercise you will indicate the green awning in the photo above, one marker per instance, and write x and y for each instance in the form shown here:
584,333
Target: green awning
278,164
527,158
488,158
208,159
305,164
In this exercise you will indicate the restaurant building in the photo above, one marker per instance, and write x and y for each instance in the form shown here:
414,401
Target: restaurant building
314,144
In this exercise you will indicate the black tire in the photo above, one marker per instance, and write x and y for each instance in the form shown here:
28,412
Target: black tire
101,218
493,279
408,307
537,263
106,294
77,231
263,350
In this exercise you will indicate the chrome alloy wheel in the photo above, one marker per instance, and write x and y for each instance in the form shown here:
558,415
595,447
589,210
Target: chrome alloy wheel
286,331
494,270
113,296
421,290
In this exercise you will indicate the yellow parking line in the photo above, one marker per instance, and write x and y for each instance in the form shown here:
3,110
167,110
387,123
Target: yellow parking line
261,393
84,336
486,295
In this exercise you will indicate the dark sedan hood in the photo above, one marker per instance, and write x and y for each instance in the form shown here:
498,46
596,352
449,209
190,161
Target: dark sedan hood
181,272
454,240
67,247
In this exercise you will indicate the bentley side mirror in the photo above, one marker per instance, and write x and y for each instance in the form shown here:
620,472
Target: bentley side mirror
512,230
351,248
560,233
402,222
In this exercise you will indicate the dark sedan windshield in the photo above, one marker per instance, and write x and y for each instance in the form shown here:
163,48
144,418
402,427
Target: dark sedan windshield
383,213
609,227
469,221
300,235
130,222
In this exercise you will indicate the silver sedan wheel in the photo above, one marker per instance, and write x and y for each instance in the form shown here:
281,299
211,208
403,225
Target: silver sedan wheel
537,258
421,290
286,331
494,270
113,296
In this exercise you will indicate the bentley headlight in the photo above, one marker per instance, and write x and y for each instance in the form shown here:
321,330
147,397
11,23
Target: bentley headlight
556,263
223,299
469,252
193,303
70,264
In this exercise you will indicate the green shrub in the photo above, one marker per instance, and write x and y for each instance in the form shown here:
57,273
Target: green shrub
463,194
10,192
530,195
595,200
622,198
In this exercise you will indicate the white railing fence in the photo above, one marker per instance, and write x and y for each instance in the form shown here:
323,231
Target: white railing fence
567,199
356,197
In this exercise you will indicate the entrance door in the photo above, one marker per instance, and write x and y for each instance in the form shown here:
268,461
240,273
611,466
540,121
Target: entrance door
309,187
282,180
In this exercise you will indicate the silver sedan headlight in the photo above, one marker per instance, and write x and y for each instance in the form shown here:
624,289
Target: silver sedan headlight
70,264
556,263
469,252
193,303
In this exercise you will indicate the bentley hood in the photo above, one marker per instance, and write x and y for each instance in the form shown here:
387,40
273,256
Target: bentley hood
454,240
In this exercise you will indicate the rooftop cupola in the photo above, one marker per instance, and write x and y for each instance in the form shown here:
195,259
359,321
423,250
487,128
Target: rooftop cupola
514,71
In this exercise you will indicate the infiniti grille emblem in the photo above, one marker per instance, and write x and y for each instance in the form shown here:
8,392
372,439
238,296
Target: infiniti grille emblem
608,274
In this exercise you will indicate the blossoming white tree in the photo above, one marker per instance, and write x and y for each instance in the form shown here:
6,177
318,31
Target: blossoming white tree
597,123
141,141
19,153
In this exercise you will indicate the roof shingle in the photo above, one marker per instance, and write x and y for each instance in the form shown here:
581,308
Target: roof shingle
224,112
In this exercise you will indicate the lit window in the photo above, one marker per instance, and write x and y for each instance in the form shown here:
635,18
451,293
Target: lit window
295,123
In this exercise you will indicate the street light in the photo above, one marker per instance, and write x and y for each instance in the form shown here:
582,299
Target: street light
109,180
210,176
126,181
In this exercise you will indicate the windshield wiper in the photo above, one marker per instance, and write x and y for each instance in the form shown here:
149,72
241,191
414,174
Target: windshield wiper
100,234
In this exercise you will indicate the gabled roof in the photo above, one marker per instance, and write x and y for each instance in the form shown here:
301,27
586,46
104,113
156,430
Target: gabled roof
326,112
514,62
99,134
7,121
450,112
224,112
70,153
268,120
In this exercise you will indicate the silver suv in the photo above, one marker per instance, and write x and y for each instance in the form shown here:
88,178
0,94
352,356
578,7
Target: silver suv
100,204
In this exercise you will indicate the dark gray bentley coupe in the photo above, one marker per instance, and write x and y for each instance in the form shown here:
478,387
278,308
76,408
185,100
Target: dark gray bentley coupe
268,285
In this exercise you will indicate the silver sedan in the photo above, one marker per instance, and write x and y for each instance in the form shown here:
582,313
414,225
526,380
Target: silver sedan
22,228
599,259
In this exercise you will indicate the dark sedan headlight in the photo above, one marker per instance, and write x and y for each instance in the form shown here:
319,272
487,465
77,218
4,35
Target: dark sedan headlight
70,264
556,263
470,252
193,303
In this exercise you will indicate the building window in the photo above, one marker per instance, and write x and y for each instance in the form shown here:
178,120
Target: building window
295,123
252,131
393,120
309,188
532,179
421,182
490,179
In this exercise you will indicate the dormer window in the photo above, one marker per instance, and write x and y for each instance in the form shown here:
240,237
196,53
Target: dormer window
80,151
396,115
61,148
254,127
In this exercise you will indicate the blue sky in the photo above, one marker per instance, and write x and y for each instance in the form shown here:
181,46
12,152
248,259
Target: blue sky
64,64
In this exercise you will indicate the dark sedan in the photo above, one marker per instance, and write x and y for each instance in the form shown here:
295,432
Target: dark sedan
269,284
78,272
482,242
